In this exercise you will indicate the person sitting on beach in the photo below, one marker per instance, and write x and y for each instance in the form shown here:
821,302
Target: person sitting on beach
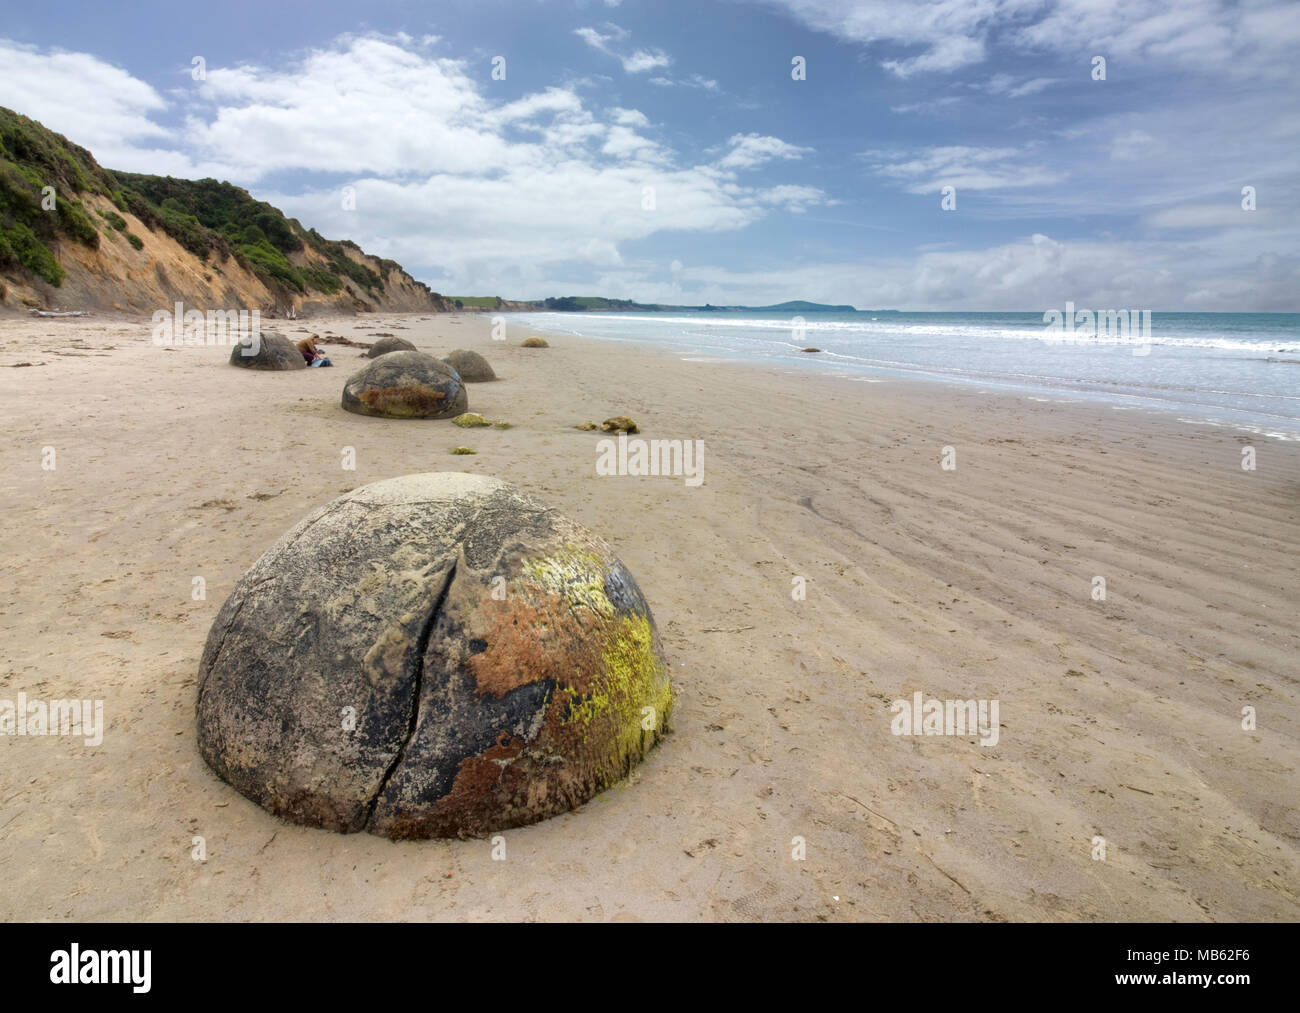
313,355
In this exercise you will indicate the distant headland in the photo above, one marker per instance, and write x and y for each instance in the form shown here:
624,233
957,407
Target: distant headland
599,304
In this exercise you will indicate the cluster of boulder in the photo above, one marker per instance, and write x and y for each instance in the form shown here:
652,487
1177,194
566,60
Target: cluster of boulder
403,383
400,382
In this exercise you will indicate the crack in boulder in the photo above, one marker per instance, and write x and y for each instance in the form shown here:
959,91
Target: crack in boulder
417,677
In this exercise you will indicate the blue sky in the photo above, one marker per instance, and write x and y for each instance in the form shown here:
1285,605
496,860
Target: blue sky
1125,192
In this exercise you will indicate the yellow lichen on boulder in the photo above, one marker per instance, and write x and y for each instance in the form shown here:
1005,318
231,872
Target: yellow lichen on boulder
632,695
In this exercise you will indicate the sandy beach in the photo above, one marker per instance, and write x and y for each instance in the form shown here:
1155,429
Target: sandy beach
1120,718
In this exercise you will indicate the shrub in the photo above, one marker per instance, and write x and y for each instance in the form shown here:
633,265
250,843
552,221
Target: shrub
141,208
135,240
64,165
20,192
321,279
21,246
343,264
269,263
113,219
186,230
74,220
278,232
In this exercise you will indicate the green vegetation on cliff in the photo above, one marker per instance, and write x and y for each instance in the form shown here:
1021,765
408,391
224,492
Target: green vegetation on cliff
31,218
212,220
207,217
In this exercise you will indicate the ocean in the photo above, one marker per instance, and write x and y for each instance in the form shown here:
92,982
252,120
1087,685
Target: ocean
1228,369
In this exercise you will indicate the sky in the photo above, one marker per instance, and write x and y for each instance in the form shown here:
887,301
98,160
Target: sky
673,152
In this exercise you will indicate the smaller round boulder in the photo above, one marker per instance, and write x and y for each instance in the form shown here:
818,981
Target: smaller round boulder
471,366
406,385
385,345
269,350
534,343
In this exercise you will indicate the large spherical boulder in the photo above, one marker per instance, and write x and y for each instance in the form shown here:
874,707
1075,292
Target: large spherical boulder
406,385
437,655
471,366
270,350
385,345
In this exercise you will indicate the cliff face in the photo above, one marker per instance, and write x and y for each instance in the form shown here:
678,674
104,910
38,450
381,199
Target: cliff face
74,235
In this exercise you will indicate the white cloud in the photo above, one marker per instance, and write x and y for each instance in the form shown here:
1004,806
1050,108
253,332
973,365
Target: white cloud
1033,87
644,59
749,151
475,194
948,52
951,32
694,81
927,170
1255,39
624,142
636,62
1217,216
449,181
93,103
1006,84
594,39
629,117
1133,146
552,100
369,105
793,198
929,107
